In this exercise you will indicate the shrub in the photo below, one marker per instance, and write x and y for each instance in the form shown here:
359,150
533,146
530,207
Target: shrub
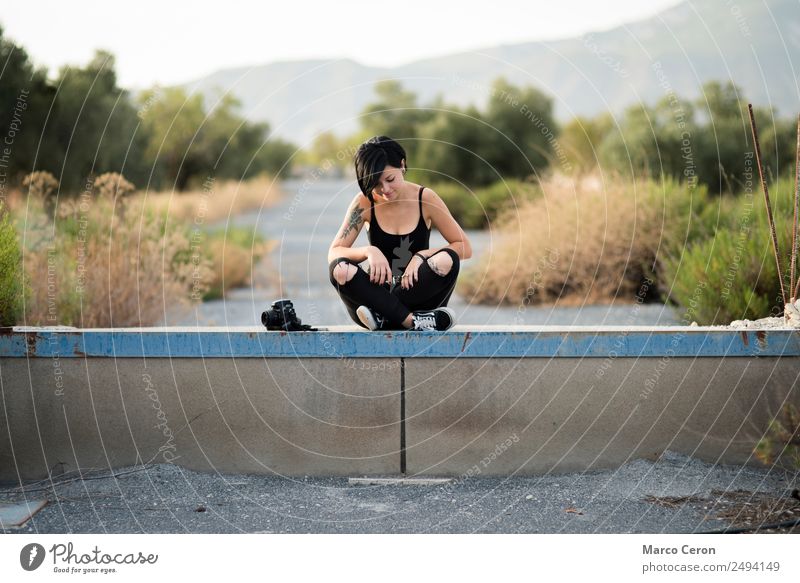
111,258
231,253
103,268
12,285
215,200
586,239
40,184
112,185
479,208
40,187
730,273
727,277
782,440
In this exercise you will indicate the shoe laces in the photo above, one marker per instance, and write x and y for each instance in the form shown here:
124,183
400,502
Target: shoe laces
425,322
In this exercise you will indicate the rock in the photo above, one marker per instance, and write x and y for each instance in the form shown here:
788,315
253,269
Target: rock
792,314
790,319
760,323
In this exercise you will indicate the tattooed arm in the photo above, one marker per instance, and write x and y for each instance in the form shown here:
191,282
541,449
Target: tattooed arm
342,245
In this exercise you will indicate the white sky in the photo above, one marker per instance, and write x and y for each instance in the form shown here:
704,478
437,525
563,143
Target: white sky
168,42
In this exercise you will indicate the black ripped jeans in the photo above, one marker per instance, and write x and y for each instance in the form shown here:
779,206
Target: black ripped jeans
393,302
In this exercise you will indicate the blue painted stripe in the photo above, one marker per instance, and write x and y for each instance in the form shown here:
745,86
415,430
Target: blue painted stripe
533,342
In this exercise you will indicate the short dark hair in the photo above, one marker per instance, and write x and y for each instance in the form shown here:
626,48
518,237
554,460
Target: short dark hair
372,157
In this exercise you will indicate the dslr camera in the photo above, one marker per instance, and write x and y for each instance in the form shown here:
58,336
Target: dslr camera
281,316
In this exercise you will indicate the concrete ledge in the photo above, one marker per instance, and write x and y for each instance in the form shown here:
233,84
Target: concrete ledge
351,341
344,401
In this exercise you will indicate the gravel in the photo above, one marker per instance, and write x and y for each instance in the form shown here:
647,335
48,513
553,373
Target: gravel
170,499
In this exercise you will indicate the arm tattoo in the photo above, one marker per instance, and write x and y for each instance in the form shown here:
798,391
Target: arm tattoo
354,223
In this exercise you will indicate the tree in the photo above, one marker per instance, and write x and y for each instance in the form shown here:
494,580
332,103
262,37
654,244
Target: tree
581,137
525,137
395,114
327,148
25,98
454,147
722,144
171,123
94,126
632,146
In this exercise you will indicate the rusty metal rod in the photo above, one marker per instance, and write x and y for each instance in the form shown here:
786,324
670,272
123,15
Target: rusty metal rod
795,281
766,200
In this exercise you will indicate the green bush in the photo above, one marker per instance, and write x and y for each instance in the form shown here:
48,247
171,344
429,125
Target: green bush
457,198
730,273
782,440
479,208
11,281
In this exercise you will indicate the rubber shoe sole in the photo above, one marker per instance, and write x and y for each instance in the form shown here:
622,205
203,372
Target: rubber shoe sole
451,316
368,318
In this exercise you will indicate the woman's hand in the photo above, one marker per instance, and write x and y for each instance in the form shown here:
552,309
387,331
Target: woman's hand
379,270
411,275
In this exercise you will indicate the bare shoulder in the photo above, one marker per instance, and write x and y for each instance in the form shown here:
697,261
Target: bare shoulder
360,203
431,201
354,220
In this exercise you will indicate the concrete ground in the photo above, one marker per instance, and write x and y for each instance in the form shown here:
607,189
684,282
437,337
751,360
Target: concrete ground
674,494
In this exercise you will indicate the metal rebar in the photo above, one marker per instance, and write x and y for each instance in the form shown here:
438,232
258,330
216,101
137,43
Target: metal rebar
795,281
766,200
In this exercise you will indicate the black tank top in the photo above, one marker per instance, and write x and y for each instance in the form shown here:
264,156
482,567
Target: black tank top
398,249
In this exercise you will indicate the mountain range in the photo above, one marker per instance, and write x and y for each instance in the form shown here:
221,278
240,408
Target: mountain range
753,43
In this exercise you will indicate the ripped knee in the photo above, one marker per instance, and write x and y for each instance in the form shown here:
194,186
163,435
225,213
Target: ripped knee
343,272
442,263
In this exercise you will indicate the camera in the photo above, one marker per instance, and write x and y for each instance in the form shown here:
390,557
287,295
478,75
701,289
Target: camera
281,316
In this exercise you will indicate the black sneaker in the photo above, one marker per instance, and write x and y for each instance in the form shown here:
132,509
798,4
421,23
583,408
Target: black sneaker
370,318
439,319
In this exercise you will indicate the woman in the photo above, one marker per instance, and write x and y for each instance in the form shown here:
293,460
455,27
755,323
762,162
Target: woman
408,285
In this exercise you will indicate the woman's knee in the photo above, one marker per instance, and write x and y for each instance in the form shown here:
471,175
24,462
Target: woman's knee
444,262
341,271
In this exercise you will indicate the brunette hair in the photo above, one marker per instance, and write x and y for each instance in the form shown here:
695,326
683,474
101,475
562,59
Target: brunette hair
372,157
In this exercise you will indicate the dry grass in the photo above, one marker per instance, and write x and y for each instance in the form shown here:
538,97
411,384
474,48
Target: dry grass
100,262
752,509
587,240
108,266
216,200
672,501
740,508
232,264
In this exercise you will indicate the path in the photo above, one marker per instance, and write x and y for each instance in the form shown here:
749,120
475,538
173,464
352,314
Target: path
304,224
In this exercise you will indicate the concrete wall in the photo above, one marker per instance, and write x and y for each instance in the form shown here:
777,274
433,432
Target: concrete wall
530,416
282,416
348,402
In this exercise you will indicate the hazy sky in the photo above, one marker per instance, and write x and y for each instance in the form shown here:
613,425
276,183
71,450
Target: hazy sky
169,42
